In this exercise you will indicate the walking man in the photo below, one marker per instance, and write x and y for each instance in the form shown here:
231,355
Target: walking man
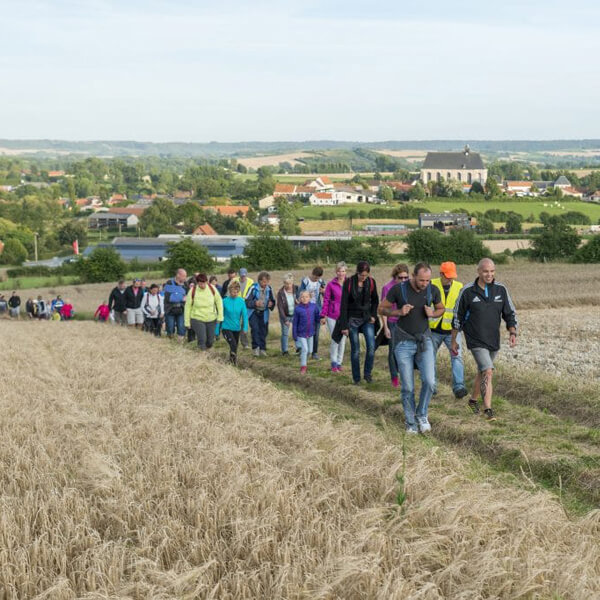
116,304
133,302
175,290
412,341
441,328
480,307
14,305
260,301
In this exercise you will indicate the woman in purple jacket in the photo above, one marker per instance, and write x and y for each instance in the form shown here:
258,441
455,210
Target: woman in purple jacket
306,317
399,274
332,299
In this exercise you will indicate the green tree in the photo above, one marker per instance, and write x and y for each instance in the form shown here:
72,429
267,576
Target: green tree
103,264
270,252
188,255
513,223
14,252
590,252
557,241
288,218
71,231
485,226
492,189
477,188
417,192
386,193
425,245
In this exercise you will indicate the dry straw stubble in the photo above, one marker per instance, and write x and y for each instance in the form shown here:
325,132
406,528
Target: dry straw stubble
131,468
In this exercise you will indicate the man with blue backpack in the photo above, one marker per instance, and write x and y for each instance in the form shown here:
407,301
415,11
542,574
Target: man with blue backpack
417,301
175,291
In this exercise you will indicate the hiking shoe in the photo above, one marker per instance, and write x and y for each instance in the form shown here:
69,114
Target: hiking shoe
256,351
489,414
233,359
395,382
315,357
286,353
424,425
302,370
356,382
412,431
461,393
474,406
263,353
368,379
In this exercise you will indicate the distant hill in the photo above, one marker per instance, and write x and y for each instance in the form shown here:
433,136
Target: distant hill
241,149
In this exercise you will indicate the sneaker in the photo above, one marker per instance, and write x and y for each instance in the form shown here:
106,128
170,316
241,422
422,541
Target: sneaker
412,431
461,393
489,414
315,357
368,379
302,370
233,359
334,369
424,425
339,368
256,351
356,382
286,353
395,382
474,406
263,353
297,350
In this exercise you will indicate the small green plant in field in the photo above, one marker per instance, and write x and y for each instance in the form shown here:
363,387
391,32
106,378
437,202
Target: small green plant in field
401,493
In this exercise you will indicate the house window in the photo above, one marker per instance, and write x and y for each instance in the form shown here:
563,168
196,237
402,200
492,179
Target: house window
459,176
438,177
469,179
428,175
448,175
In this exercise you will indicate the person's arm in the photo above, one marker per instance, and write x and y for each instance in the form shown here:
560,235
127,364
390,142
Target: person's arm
97,312
271,301
387,304
295,321
343,319
439,308
326,302
111,301
250,298
161,306
244,317
460,310
280,305
509,315
145,306
374,301
187,311
219,302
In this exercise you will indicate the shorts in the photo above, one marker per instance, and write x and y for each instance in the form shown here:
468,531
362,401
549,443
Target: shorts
484,358
135,316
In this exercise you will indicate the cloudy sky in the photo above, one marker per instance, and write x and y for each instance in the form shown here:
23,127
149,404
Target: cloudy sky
232,70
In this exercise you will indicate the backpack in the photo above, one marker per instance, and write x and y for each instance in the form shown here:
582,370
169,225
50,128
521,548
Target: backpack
405,295
148,303
177,295
212,289
372,285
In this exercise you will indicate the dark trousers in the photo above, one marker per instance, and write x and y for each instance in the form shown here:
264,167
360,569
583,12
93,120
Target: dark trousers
233,339
205,333
154,325
258,327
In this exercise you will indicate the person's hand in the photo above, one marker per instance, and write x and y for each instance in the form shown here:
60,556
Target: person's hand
259,304
513,340
323,321
372,320
428,311
345,332
454,347
406,308
388,333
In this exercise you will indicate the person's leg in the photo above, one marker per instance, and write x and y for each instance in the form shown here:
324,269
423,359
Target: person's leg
131,317
333,347
199,328
340,356
244,339
486,387
368,330
426,364
254,324
405,359
315,350
210,328
170,325
263,329
458,367
285,331
303,345
393,367
354,353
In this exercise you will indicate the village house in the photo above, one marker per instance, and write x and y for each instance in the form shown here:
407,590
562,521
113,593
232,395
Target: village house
466,167
228,210
111,220
205,229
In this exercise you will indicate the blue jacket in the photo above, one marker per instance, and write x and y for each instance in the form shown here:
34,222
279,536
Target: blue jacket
234,312
254,294
306,316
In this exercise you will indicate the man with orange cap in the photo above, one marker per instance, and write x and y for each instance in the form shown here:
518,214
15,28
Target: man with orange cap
441,328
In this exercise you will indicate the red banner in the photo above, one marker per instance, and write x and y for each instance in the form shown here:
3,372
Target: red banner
76,247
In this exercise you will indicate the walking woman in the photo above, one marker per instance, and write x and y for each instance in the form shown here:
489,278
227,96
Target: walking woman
330,313
203,309
399,274
235,319
259,302
286,304
306,318
358,314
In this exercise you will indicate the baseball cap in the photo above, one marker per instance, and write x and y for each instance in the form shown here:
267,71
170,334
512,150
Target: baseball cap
243,272
448,269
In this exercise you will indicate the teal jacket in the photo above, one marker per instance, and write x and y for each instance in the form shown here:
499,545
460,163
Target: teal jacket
234,313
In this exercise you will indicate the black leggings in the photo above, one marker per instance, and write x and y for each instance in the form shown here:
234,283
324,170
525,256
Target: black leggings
233,339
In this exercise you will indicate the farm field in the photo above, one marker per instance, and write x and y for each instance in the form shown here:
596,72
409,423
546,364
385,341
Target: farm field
525,209
118,483
254,162
532,285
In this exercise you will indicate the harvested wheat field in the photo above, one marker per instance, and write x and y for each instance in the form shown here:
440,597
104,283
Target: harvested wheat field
133,468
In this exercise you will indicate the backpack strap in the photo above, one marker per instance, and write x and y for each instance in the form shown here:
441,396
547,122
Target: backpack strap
429,294
403,292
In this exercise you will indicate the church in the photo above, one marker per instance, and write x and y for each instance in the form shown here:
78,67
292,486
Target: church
466,167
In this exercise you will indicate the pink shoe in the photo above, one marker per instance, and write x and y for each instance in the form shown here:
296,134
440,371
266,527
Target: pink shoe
302,370
334,369
395,382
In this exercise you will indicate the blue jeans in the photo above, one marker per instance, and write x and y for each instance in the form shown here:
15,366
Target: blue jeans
175,320
458,367
306,348
406,357
392,361
368,330
258,329
285,333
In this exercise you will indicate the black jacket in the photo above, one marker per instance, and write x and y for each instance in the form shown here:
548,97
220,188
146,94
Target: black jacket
14,301
116,300
132,300
479,312
356,303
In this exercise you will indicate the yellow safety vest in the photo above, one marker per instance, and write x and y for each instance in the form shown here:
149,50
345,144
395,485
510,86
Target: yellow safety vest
449,303
249,284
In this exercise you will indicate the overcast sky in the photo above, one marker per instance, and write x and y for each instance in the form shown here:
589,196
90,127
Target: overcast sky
230,70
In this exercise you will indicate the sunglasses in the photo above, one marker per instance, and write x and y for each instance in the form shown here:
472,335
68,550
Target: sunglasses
403,277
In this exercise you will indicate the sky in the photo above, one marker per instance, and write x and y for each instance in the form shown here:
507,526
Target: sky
273,70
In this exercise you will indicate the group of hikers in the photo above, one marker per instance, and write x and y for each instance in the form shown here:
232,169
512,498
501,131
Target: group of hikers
56,309
414,317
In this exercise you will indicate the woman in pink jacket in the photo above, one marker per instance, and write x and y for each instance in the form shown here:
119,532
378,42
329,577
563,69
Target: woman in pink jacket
330,313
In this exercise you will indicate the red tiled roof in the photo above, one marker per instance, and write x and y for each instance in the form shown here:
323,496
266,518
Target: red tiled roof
526,184
323,195
56,173
228,210
205,229
325,179
82,202
284,188
304,189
